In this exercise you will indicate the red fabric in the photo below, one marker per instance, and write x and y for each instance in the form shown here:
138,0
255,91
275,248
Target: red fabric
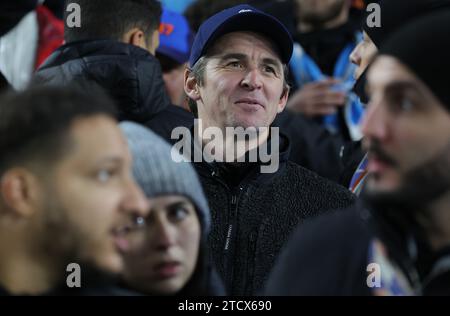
51,34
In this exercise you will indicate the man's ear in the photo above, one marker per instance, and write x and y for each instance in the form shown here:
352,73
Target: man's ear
191,86
19,191
135,37
283,100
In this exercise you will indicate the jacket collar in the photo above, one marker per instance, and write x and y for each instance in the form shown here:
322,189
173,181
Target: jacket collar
249,172
85,48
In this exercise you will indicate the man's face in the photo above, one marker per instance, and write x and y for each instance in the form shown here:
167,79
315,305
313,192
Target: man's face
319,11
363,54
243,83
89,196
407,135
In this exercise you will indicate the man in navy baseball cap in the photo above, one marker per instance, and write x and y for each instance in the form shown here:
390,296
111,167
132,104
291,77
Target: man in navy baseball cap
238,19
236,81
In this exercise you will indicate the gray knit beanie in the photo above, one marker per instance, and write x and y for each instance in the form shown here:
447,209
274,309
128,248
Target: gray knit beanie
158,174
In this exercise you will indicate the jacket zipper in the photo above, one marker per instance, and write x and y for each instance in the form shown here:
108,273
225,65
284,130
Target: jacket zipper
232,225
231,233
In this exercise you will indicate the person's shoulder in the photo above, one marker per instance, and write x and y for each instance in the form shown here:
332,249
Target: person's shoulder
174,116
338,226
179,112
166,121
325,255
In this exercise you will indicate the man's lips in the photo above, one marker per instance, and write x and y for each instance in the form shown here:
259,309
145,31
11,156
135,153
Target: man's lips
249,102
377,165
120,237
121,233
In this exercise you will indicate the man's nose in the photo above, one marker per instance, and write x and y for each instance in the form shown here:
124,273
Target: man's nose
375,123
252,79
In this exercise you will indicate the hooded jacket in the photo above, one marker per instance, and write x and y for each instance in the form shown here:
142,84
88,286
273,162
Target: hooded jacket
130,74
253,214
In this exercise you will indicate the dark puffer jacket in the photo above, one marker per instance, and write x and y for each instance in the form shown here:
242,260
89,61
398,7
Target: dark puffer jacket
130,74
254,213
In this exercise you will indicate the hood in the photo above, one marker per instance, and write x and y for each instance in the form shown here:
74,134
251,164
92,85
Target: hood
130,74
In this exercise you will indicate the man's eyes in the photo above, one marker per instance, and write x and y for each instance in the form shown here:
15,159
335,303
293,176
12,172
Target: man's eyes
234,64
400,102
270,69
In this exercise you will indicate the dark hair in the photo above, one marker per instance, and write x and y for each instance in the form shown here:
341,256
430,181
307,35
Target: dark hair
34,124
111,19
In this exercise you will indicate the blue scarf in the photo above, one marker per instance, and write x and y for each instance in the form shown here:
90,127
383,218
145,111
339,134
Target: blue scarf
305,70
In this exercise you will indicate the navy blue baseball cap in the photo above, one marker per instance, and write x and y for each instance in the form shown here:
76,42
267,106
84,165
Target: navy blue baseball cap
241,18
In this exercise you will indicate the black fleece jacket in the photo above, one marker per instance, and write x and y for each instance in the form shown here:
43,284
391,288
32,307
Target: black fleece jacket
253,214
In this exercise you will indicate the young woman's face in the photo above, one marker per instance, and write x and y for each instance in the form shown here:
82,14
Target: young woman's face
164,254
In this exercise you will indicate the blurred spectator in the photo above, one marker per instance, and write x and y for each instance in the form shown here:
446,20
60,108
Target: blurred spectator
397,240
396,13
175,41
115,48
19,42
66,190
37,34
321,69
